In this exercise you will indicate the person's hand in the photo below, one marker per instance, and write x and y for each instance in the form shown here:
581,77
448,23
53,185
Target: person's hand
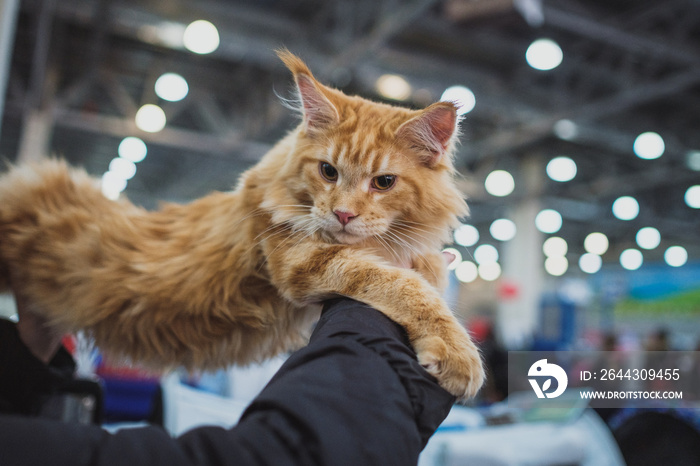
42,340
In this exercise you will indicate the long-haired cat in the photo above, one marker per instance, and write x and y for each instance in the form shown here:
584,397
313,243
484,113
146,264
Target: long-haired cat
356,201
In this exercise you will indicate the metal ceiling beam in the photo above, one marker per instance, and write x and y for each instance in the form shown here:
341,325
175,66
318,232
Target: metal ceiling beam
606,186
385,28
9,10
169,137
40,55
534,131
631,42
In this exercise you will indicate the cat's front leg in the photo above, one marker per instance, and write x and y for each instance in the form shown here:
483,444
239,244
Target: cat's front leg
313,271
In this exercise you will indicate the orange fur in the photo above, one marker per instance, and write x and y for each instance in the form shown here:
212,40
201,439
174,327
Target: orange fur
236,277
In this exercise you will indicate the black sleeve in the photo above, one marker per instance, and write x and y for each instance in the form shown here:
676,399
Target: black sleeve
354,396
25,381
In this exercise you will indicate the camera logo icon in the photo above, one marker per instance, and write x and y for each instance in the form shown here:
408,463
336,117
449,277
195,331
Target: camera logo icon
543,371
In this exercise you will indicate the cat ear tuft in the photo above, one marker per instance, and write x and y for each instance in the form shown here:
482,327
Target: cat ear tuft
432,132
318,110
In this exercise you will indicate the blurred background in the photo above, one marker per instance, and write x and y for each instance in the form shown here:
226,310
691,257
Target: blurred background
579,155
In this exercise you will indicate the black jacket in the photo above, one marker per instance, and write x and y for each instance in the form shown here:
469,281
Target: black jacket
354,396
26,382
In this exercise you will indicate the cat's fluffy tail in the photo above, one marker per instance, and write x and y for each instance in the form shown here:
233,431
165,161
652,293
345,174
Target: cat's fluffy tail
30,194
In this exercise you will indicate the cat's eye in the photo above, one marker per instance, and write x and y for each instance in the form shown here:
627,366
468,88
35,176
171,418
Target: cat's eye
383,182
328,172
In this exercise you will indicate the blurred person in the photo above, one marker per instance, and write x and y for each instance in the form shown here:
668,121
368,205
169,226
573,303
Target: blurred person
658,358
609,342
495,358
658,340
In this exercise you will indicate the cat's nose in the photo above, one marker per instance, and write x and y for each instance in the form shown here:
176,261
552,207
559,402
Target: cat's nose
344,217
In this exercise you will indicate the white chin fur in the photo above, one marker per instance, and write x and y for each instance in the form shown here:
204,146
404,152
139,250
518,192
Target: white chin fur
346,238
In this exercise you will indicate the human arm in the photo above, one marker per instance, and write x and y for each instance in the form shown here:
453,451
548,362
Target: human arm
355,395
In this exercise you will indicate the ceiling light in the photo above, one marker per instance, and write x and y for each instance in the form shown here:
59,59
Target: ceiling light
457,258
649,146
466,272
692,197
466,235
561,169
123,168
631,259
625,208
548,221
556,265
555,246
171,87
648,238
462,97
544,54
393,87
565,129
485,254
167,33
503,229
150,118
489,271
112,184
590,263
201,37
499,183
596,243
676,256
132,148
693,160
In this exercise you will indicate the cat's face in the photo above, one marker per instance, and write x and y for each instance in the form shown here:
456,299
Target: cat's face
360,183
363,172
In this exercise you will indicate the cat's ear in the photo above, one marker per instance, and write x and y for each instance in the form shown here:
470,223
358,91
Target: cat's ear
319,112
432,132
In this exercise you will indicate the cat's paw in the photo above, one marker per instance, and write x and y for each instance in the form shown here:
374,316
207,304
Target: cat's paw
454,361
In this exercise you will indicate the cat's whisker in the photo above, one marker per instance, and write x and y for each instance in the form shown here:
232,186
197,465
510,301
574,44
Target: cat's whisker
409,235
281,243
304,206
304,227
273,230
387,246
416,254
253,213
301,238
412,231
418,226
403,244
306,223
272,227
405,220
427,267
412,222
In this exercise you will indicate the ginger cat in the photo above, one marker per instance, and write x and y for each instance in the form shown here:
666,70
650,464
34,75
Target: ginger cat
356,201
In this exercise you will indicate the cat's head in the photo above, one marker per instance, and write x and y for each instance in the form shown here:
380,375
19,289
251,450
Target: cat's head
358,171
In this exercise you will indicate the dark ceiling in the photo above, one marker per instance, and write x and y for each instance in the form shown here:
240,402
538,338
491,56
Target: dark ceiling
81,68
